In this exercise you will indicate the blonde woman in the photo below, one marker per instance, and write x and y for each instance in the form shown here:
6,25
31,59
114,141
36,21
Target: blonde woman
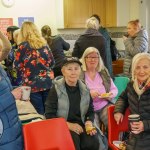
137,98
34,59
135,42
99,82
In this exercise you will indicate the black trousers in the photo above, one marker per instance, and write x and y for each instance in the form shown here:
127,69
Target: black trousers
84,141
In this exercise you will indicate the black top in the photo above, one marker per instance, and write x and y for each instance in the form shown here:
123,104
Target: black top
57,47
74,115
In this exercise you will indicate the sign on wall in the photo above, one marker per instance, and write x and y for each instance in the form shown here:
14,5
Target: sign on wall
5,23
21,20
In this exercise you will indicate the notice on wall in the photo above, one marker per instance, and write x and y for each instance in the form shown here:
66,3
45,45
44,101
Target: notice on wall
5,23
21,20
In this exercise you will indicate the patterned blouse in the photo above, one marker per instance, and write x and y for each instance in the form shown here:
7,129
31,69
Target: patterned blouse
36,66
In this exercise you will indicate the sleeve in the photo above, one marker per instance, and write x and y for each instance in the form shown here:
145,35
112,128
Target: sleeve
103,53
90,113
19,57
137,45
76,50
113,89
146,125
66,45
51,104
51,58
122,102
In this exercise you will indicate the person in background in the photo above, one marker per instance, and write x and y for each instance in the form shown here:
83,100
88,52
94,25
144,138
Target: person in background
11,72
136,41
57,46
98,80
137,98
10,126
35,60
91,38
70,98
106,35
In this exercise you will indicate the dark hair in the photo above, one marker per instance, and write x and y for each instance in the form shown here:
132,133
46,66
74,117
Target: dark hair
46,33
97,17
12,28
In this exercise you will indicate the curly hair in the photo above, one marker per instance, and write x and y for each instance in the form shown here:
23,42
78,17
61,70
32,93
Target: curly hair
30,33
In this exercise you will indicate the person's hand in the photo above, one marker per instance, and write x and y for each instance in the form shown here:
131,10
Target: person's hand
75,127
94,94
124,38
118,117
89,125
17,93
137,127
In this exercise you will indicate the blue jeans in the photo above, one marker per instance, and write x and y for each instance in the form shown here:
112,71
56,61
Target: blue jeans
38,100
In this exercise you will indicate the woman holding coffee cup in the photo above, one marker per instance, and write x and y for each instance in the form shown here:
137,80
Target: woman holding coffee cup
137,98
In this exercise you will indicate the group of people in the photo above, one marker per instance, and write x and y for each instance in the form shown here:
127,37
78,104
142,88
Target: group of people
78,88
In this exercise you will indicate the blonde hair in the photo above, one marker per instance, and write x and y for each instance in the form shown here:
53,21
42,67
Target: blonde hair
136,24
30,33
89,50
15,35
92,23
135,61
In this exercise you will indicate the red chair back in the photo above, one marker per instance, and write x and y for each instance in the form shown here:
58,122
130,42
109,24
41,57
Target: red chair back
114,129
50,134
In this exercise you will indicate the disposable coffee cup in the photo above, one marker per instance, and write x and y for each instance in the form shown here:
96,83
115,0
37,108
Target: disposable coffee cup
134,118
26,90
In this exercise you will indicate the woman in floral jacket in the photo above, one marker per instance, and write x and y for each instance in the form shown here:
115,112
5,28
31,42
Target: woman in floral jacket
34,59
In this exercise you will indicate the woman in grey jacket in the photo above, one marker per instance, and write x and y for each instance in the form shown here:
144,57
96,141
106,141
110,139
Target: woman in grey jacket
135,42
137,98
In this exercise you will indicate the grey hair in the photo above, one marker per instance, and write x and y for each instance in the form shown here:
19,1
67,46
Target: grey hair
89,50
92,23
135,61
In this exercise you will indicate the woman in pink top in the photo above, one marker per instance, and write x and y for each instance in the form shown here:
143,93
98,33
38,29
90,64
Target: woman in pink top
98,80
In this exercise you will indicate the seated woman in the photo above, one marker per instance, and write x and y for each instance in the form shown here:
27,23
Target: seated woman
69,98
137,98
10,125
98,80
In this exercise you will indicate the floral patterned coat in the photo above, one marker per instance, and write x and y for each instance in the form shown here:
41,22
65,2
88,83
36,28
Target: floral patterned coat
36,66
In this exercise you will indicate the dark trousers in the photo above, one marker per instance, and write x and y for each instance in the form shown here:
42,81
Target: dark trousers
38,101
84,141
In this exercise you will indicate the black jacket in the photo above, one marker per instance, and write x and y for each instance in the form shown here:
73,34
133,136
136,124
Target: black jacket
137,105
90,40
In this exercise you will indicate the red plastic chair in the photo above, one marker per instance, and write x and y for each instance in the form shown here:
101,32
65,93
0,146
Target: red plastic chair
51,134
114,129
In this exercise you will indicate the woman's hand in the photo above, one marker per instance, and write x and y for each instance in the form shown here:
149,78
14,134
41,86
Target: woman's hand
137,127
75,127
89,124
118,117
17,93
94,94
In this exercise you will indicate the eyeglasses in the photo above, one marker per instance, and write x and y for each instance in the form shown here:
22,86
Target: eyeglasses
92,58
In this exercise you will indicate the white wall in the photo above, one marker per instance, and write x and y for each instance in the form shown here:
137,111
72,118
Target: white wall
43,11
